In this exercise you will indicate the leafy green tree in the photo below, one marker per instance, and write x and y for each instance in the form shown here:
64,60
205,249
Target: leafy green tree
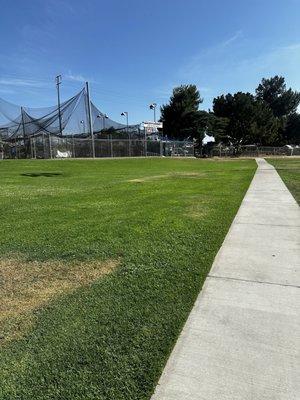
181,117
217,127
292,129
265,127
273,91
242,119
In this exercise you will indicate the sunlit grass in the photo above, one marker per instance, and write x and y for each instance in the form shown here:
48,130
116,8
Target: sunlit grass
106,336
289,170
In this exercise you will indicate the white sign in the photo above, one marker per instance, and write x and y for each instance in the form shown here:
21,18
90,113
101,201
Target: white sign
153,125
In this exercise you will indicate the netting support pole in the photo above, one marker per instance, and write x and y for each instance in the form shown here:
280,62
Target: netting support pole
24,133
58,82
73,145
90,118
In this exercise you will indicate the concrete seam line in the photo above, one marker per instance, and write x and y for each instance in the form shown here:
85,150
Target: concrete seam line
251,281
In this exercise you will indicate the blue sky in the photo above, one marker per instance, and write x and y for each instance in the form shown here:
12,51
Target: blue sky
134,52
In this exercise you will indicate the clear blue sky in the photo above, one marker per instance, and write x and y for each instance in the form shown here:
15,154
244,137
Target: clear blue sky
134,52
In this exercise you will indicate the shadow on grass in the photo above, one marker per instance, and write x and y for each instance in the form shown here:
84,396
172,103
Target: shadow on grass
37,174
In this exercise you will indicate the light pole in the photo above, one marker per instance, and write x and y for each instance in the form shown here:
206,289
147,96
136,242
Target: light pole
153,107
104,117
58,82
125,113
83,125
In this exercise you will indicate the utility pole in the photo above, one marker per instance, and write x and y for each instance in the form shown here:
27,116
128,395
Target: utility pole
58,82
90,117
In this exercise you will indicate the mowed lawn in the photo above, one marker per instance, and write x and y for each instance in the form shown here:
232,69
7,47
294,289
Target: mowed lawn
289,170
101,262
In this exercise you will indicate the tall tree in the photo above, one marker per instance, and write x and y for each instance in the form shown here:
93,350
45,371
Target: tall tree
242,119
292,129
273,91
181,116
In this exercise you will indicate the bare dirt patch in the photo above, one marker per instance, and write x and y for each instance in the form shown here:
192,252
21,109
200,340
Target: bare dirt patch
27,286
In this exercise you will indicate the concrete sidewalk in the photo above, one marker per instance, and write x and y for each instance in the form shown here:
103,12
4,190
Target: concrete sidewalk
242,338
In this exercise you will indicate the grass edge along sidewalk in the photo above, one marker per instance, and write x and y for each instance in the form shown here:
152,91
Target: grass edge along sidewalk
241,338
162,221
289,171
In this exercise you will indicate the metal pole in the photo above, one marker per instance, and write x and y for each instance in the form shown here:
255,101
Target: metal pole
43,136
58,82
111,147
31,149
145,142
154,109
73,146
24,133
34,147
90,118
50,145
129,134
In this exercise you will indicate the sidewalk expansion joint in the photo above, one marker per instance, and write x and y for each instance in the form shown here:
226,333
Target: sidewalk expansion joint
252,281
257,223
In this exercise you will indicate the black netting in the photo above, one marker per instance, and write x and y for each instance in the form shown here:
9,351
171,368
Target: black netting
73,116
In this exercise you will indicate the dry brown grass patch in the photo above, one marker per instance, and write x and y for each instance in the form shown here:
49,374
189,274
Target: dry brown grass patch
28,286
197,211
168,176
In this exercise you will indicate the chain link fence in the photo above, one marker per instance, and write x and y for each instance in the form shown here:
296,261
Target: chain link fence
254,151
46,146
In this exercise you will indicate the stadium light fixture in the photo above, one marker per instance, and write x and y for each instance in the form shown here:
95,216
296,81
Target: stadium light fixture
104,117
153,107
125,113
83,124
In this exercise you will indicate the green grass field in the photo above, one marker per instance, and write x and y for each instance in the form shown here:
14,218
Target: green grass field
101,261
289,170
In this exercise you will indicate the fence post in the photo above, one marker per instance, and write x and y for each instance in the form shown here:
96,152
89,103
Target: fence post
111,147
129,145
160,148
73,145
34,147
31,150
43,141
50,146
